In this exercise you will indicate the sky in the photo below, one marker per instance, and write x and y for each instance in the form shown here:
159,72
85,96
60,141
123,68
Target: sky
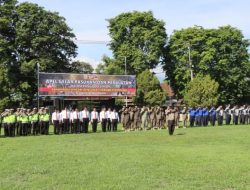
87,18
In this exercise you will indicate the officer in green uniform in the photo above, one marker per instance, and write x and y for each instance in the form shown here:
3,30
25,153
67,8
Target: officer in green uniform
11,123
25,122
5,122
46,119
18,121
40,123
29,123
35,121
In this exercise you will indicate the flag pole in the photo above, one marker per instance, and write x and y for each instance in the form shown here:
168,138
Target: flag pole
38,86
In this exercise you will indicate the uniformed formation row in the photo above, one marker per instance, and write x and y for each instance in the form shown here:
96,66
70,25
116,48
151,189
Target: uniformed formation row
23,122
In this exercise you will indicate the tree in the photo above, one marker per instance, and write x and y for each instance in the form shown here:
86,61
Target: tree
221,53
81,67
36,36
201,91
149,90
140,38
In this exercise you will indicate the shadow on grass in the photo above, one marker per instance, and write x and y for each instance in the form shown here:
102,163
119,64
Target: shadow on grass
180,133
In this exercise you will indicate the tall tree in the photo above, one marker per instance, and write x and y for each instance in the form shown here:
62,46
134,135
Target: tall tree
140,38
201,91
81,67
39,36
149,90
221,53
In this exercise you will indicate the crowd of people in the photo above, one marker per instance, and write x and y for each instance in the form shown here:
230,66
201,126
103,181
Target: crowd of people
23,122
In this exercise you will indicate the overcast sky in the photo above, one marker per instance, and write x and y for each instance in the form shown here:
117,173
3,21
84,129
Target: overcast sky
87,17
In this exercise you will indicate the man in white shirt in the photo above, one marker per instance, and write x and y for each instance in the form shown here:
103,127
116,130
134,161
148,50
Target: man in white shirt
65,116
114,119
94,119
103,119
56,121
85,119
108,119
75,121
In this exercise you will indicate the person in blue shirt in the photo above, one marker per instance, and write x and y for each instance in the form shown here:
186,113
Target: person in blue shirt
212,116
205,116
198,115
192,113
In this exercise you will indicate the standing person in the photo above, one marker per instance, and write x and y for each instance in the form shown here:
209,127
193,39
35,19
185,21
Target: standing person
171,119
212,116
65,116
185,116
220,113
103,119
122,120
136,118
205,117
228,115
75,121
126,117
4,117
12,122
114,119
25,122
46,120
41,115
144,119
152,117
56,121
192,113
158,117
18,121
94,120
85,119
109,119
35,122
29,125
131,118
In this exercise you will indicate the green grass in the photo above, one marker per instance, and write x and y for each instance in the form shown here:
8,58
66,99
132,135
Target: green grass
194,158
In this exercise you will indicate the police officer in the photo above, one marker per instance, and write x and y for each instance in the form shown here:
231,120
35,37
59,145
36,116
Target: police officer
12,123
192,114
212,116
171,119
46,120
25,122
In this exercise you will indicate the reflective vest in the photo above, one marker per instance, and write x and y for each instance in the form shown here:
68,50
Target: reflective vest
25,119
35,117
12,118
46,117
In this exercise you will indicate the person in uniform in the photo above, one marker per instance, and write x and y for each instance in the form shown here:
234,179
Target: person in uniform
94,120
29,125
144,119
103,119
75,121
56,121
4,117
205,117
65,117
171,119
121,112
126,118
158,117
46,120
136,118
192,114
228,115
85,119
131,118
18,121
220,113
152,117
35,121
25,122
212,116
114,119
12,123
109,119
184,116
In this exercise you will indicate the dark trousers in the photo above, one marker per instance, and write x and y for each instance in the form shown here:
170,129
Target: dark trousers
56,127
228,119
76,124
35,127
205,120
24,130
65,126
171,127
104,125
220,120
29,128
192,119
108,125
236,119
85,125
212,120
94,125
45,129
11,129
114,123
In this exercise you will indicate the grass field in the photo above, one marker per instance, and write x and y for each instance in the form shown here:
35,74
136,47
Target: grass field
194,158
